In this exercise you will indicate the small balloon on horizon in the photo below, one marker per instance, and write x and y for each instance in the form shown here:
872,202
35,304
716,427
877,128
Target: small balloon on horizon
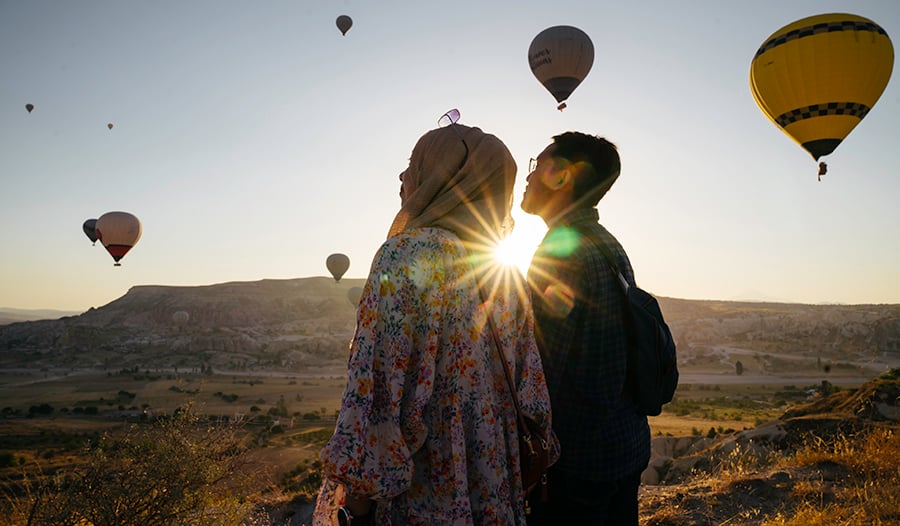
337,264
354,294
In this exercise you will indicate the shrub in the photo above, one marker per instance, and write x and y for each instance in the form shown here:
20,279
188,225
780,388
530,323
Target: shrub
175,472
43,409
7,460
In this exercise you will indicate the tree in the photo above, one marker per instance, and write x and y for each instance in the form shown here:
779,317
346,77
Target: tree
739,368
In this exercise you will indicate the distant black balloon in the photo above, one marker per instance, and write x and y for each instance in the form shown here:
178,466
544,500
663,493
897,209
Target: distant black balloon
90,229
344,23
29,107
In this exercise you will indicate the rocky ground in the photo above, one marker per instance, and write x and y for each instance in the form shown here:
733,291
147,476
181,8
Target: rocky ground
831,454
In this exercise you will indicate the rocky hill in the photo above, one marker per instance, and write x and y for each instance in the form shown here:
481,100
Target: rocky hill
269,324
785,327
297,323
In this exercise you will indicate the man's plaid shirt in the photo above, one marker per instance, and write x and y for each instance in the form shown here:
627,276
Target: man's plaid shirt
579,324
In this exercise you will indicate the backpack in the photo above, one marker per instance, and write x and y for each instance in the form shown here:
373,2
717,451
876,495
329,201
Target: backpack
652,364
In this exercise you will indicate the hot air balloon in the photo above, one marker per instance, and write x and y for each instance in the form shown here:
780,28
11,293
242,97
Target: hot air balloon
119,232
109,126
344,23
90,230
353,295
337,264
560,57
818,77
29,107
180,317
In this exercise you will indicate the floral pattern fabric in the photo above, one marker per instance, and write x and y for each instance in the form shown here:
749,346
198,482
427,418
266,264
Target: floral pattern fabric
427,427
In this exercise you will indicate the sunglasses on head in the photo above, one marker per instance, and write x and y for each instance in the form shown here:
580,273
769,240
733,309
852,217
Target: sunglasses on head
450,119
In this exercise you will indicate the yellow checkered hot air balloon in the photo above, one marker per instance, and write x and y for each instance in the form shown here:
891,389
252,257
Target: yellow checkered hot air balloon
816,78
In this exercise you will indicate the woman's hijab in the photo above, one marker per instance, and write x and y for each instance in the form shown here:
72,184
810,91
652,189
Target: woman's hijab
470,193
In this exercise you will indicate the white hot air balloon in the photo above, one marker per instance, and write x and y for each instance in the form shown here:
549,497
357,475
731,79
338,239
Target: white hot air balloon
119,232
560,58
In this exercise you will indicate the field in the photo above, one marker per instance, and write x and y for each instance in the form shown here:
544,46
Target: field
48,417
82,402
734,405
125,392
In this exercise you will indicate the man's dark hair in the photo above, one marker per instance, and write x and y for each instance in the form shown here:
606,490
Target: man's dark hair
597,161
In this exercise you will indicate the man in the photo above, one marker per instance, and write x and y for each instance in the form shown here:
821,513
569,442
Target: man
580,329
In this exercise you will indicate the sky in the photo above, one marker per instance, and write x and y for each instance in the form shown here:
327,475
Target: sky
253,140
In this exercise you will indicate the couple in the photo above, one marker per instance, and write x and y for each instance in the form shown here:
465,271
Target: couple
427,432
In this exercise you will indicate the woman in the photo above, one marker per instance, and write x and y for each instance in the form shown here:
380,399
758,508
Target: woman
427,429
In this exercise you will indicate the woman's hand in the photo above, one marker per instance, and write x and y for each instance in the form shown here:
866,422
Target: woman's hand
358,505
360,512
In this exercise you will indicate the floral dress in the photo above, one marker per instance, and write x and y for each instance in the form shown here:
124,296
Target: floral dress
427,427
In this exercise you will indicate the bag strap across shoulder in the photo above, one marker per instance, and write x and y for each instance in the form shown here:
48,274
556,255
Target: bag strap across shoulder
509,381
495,337
607,255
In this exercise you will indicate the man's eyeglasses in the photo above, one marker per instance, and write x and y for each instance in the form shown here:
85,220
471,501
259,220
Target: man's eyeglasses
449,119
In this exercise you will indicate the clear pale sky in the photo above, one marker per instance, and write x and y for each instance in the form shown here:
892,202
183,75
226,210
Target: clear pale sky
253,140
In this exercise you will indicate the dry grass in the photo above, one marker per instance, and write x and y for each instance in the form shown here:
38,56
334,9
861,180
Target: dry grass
841,480
856,481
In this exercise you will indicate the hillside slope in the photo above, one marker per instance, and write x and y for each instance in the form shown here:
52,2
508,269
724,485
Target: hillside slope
834,460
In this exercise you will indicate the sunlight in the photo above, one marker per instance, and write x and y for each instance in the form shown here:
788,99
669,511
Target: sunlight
518,248
508,252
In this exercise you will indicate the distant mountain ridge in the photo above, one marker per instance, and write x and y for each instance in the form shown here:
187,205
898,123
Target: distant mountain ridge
9,315
268,324
291,324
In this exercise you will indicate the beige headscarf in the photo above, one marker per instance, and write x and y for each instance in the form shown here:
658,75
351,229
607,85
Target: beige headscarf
474,200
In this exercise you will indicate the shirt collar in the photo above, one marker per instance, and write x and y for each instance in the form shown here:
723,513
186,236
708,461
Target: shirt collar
574,217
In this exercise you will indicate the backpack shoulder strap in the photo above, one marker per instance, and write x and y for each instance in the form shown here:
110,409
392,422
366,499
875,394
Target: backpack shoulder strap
607,255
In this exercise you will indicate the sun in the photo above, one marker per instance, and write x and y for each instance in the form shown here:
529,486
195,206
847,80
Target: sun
518,248
508,252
